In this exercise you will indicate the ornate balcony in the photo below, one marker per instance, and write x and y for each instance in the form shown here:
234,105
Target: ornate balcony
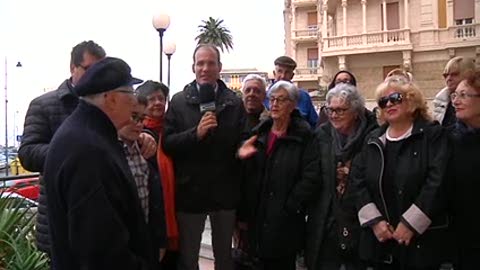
305,35
392,40
307,74
453,37
304,3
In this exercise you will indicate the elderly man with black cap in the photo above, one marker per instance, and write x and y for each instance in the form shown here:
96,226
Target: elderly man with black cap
284,71
95,215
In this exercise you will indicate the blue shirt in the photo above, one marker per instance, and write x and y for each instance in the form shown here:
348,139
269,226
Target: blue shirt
305,107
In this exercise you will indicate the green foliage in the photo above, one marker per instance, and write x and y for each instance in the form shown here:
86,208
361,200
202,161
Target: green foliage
17,249
213,32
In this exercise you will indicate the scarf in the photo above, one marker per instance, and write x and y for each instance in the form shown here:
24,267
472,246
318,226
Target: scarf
345,147
167,177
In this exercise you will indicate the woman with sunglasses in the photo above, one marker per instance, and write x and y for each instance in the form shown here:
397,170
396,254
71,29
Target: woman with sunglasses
332,227
281,167
463,170
399,177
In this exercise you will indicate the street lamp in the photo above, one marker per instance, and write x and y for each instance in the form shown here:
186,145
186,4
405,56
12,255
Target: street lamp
169,50
161,22
6,113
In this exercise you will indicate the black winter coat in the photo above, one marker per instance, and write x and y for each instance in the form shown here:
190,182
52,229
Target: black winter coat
277,188
327,207
95,215
464,180
207,173
44,116
419,185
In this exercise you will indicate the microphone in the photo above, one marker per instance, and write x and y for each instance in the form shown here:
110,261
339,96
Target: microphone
207,98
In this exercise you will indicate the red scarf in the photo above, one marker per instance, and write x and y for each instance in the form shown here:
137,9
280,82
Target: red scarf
167,176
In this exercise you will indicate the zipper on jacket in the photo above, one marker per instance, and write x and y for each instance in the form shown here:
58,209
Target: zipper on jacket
380,180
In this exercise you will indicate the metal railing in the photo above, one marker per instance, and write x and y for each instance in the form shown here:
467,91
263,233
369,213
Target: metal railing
3,179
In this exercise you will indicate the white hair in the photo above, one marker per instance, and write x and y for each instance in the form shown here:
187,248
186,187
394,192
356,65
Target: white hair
350,94
291,89
256,77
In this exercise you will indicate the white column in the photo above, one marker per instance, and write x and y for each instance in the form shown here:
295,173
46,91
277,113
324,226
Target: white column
342,62
407,60
344,7
325,24
364,15
294,21
405,15
384,19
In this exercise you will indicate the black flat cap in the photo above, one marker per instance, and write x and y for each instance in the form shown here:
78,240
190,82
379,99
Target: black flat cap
107,74
285,61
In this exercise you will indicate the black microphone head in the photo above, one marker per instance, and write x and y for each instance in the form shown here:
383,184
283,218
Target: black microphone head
206,93
207,98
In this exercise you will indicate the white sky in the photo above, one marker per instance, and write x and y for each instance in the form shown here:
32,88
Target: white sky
41,34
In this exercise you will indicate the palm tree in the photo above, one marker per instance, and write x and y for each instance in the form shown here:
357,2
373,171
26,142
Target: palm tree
213,32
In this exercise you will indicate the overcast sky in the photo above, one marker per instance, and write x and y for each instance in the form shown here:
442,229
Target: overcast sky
41,35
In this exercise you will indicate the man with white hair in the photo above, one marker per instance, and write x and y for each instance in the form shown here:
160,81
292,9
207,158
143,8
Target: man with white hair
254,92
95,214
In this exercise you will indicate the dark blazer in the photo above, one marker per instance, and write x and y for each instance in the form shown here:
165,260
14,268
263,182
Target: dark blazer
277,188
95,216
326,206
45,114
420,193
207,173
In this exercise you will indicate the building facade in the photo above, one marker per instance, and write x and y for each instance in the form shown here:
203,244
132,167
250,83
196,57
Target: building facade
233,77
372,37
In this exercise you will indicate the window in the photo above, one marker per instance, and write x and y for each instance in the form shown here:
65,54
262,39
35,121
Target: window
442,13
312,60
312,21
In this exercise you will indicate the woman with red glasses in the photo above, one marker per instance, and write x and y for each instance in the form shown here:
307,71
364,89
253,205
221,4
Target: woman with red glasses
399,178
463,170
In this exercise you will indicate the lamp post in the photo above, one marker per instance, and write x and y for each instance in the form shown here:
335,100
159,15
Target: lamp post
6,113
169,50
161,22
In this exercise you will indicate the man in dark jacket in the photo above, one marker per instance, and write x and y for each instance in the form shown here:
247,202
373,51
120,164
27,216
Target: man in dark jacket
95,215
45,114
203,148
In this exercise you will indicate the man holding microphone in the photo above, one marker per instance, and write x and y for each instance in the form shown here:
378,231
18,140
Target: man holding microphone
203,128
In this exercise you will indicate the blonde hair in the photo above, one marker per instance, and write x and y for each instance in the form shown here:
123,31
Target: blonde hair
459,64
400,72
416,102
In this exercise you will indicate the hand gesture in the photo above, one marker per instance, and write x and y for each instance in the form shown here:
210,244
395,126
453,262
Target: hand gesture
148,146
383,231
248,148
403,234
208,122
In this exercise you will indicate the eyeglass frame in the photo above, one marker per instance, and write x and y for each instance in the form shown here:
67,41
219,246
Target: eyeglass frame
338,111
462,95
280,100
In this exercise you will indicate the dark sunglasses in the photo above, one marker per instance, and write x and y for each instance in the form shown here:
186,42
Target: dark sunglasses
394,98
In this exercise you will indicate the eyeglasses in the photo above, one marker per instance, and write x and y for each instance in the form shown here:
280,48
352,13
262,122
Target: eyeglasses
137,118
337,111
453,74
279,100
347,81
394,98
462,95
